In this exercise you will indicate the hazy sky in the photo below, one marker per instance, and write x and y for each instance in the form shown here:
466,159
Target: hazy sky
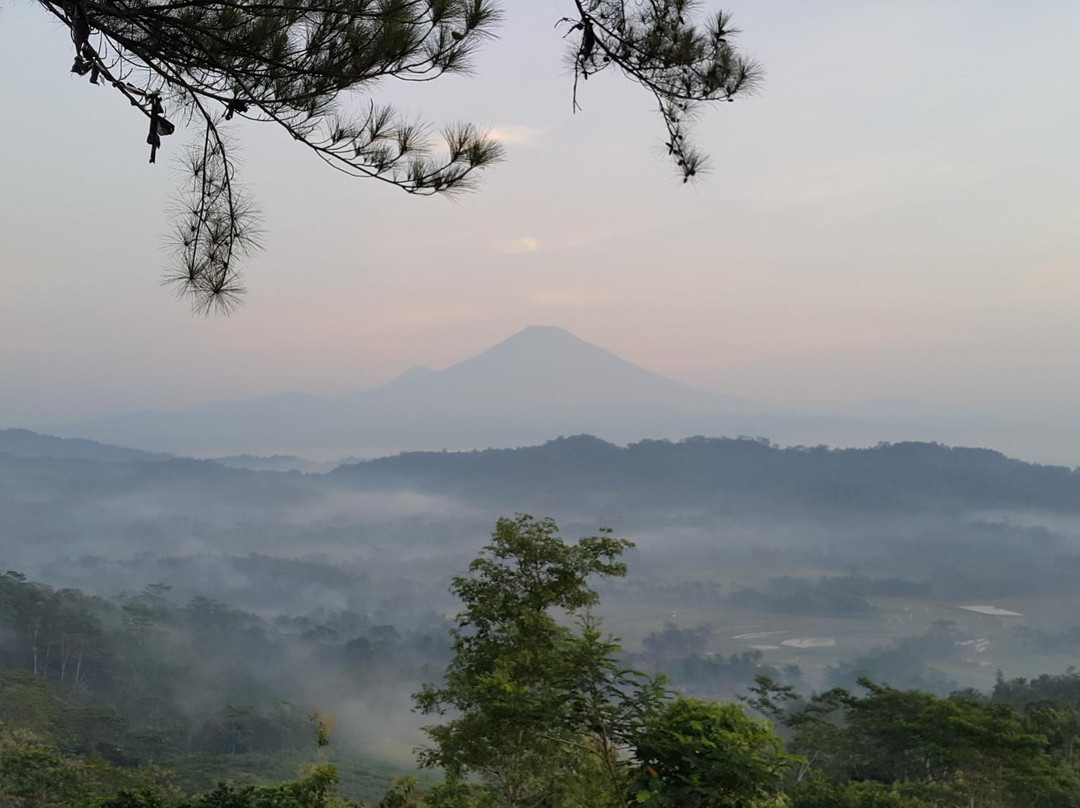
896,215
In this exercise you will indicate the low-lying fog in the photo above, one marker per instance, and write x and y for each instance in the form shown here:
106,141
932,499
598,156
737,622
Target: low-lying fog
918,565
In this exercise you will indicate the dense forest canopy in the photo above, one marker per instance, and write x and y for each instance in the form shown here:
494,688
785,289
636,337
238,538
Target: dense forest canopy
894,475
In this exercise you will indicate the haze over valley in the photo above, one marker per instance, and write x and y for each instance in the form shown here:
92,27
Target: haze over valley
537,384
722,450
827,564
908,561
306,545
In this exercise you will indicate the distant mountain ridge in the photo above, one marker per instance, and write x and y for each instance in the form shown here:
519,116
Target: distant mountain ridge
542,381
732,473
534,385
580,473
24,443
698,491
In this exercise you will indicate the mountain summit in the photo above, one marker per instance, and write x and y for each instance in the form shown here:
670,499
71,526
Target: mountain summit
541,342
541,372
546,350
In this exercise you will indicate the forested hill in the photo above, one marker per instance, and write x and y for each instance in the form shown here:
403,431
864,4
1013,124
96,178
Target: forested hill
94,523
24,443
698,471
569,472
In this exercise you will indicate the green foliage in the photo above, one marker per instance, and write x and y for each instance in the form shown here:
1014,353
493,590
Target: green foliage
459,794
404,793
26,700
57,633
541,711
315,790
526,570
162,701
530,693
323,726
37,775
546,714
135,799
1050,706
817,791
699,754
949,751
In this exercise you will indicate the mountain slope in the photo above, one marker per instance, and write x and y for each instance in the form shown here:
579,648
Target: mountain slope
539,383
543,366
24,443
732,474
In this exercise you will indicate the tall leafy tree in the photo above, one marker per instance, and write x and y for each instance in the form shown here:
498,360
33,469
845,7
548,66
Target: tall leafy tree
292,64
542,710
538,704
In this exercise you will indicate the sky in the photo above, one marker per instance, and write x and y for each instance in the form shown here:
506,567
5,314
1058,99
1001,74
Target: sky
895,216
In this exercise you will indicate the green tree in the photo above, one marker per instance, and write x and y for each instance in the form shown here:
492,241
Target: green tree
817,791
952,751
36,775
701,754
135,799
606,704
403,793
26,700
459,794
1050,705
289,63
317,789
546,715
524,683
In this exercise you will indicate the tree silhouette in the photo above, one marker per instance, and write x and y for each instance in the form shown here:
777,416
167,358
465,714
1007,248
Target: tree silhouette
289,62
